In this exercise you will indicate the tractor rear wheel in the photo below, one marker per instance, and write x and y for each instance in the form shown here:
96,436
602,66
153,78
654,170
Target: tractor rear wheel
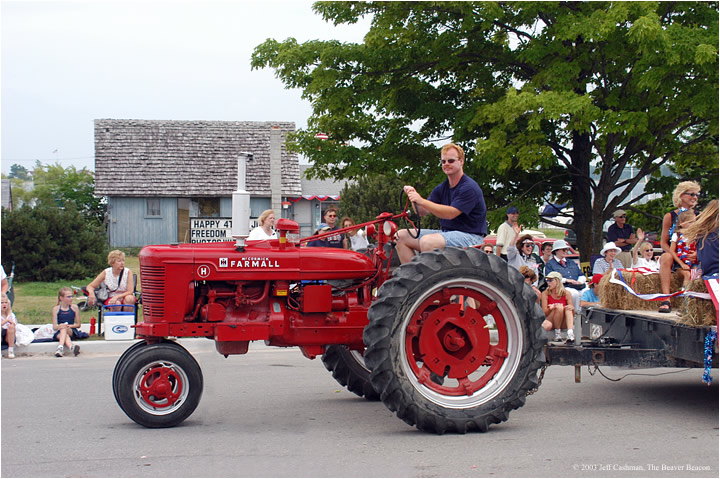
348,368
442,365
158,385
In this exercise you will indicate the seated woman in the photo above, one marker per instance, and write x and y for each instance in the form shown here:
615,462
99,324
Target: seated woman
118,279
557,305
642,253
608,260
530,278
685,197
265,230
520,251
354,239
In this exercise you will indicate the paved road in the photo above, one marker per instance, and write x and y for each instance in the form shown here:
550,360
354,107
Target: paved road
275,413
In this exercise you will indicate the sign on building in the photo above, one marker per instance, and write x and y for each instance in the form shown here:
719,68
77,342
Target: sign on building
213,230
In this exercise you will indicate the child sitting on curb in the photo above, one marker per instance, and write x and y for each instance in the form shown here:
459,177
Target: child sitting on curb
65,317
9,321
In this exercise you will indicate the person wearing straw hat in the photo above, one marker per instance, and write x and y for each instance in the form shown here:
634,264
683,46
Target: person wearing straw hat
557,306
572,277
608,260
520,251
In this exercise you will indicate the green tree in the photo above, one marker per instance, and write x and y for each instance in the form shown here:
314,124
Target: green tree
55,185
540,94
19,172
48,243
370,195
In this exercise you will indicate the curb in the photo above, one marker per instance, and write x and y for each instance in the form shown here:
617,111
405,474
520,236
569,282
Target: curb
193,345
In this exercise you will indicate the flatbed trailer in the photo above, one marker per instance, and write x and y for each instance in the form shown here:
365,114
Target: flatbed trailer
633,339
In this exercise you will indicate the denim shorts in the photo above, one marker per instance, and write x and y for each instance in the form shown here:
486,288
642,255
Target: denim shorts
456,238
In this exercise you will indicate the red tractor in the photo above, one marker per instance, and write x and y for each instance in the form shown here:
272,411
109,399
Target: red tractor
405,335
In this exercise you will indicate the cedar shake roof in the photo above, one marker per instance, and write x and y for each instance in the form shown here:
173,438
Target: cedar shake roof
320,187
187,158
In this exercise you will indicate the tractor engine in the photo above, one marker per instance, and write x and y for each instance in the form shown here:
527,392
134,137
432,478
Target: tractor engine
271,290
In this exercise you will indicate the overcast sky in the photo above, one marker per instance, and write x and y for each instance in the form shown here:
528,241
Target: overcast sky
67,63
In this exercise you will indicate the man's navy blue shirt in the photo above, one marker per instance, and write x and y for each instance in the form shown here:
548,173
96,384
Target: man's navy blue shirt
468,198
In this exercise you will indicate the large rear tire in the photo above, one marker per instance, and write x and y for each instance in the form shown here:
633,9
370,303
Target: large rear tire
349,369
442,366
158,385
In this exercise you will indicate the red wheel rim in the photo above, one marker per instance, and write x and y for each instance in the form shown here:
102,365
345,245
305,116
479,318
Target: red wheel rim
445,339
161,387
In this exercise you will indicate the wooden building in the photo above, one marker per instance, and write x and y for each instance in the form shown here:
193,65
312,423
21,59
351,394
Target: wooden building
157,175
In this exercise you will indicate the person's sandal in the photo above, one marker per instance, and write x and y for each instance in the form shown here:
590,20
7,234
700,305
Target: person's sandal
665,307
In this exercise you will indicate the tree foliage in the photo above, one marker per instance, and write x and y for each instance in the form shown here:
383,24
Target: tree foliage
48,243
54,185
19,172
371,195
543,96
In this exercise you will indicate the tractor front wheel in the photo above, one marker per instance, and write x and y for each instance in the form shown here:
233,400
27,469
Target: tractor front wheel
158,385
444,363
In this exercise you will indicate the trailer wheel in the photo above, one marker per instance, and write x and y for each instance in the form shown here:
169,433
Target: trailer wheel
348,368
441,365
158,385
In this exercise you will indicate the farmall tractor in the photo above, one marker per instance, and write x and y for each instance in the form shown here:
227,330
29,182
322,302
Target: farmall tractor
407,335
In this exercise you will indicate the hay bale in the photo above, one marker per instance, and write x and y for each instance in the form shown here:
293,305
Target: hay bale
614,296
697,311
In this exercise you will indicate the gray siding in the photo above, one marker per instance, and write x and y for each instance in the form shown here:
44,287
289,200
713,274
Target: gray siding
131,227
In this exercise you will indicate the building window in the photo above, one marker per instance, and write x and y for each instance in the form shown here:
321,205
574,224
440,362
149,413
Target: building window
152,208
208,207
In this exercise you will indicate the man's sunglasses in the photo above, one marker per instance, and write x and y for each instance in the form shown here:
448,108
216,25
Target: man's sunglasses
450,161
621,216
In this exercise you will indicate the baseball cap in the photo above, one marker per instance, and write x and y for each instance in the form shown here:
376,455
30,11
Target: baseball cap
323,227
512,210
554,275
596,278
618,213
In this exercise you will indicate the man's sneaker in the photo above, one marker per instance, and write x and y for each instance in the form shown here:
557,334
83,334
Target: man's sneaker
570,336
11,354
59,352
76,350
558,337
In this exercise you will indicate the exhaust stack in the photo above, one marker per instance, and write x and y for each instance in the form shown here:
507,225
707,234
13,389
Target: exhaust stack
241,204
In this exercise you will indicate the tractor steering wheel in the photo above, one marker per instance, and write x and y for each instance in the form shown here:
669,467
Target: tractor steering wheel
411,220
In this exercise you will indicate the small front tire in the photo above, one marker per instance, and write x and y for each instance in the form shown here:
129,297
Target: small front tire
159,385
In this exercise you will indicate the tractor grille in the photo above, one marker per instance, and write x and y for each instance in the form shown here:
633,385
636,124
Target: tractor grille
153,292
